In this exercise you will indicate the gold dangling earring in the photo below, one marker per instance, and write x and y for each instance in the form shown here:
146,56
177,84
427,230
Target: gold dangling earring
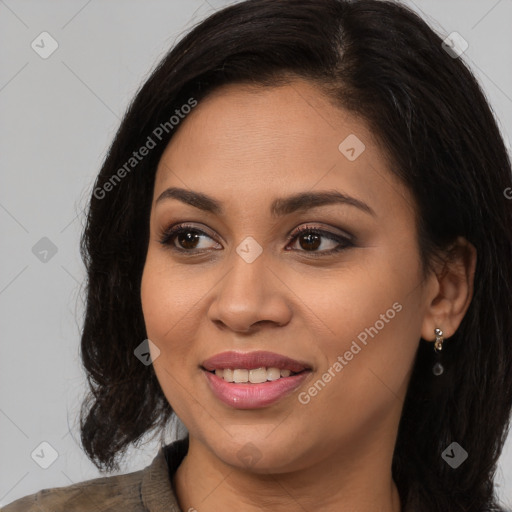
438,368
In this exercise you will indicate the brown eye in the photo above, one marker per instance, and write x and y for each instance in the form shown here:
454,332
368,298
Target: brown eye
187,239
310,239
184,238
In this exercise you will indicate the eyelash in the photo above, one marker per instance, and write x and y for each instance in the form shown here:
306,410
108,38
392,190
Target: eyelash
345,242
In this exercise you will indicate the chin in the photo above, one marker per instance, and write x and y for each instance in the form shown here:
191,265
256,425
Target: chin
258,455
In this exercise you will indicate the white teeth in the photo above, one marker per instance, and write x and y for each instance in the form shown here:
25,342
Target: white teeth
255,376
273,373
258,376
240,375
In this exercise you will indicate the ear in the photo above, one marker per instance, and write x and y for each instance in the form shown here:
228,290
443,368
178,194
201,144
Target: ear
451,290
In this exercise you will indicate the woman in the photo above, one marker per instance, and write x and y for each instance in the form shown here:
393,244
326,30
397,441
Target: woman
303,224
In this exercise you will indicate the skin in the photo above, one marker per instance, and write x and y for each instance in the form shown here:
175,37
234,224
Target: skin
246,146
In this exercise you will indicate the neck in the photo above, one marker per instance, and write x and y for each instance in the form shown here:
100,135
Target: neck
347,480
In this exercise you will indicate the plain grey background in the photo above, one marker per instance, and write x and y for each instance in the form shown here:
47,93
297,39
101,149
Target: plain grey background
58,116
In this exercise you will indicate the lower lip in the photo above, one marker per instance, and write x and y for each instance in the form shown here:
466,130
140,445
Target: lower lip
253,396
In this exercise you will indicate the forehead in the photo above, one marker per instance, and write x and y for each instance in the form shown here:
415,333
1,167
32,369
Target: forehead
263,123
250,143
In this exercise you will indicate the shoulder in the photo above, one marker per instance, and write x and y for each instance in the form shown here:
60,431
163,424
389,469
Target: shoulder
108,494
147,489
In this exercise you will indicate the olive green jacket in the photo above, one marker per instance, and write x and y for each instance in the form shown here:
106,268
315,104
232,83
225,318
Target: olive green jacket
147,490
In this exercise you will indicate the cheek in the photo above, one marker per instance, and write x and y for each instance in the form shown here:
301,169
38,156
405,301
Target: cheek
168,315
367,338
173,305
153,297
166,308
167,295
346,302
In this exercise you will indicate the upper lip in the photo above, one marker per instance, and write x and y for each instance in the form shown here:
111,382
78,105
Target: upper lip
252,360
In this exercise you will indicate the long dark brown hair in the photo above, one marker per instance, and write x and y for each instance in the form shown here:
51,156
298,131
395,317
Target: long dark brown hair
382,62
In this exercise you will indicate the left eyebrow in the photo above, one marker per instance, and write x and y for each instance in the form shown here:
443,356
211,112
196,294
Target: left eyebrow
307,200
280,207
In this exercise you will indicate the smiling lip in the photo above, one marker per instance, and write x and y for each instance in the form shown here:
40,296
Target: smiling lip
249,395
252,360
254,396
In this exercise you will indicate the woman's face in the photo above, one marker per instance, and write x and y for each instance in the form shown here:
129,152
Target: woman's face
240,278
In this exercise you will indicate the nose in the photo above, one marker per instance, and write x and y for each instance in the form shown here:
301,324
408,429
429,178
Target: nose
249,296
